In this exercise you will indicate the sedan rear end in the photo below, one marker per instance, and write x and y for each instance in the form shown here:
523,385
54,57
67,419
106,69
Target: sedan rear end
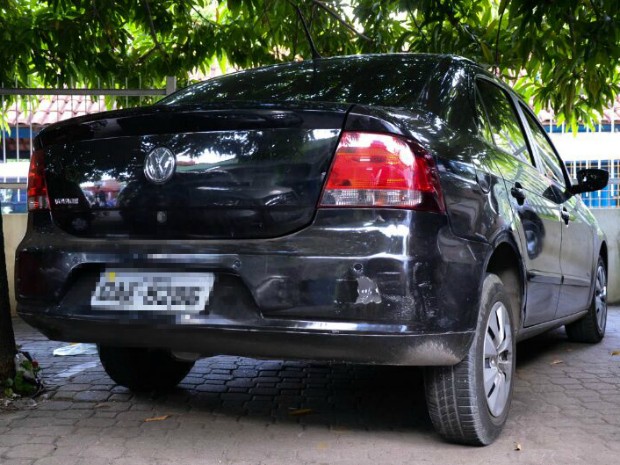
299,211
281,233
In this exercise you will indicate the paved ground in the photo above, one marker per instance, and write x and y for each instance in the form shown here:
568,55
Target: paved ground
229,410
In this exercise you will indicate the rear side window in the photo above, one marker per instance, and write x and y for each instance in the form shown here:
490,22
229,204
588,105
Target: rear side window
550,162
481,120
503,122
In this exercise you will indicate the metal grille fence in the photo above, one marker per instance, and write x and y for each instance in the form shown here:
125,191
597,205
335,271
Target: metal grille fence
602,126
32,109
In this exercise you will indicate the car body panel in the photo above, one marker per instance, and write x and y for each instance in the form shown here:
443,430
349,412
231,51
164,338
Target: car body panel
576,261
539,235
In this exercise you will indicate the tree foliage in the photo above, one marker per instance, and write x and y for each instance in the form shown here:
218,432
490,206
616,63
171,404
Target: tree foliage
561,54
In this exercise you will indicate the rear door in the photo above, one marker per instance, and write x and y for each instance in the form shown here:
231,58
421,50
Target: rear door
536,207
576,256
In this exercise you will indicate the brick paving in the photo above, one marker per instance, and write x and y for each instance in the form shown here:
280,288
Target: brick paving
231,410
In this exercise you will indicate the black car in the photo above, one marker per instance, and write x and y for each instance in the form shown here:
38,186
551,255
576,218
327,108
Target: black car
383,209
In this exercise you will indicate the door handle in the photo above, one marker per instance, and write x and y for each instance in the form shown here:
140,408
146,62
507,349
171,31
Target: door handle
565,216
517,193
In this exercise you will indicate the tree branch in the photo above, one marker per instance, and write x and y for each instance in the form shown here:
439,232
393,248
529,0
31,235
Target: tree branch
415,21
295,38
571,29
499,28
315,52
143,58
105,28
152,28
205,19
596,10
337,17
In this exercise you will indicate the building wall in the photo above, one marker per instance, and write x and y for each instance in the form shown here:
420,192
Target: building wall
587,146
14,227
609,219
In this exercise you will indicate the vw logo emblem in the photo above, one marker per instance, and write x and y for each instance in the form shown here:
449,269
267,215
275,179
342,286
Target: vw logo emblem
159,165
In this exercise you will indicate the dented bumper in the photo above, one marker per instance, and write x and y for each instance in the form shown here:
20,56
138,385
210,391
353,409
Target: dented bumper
373,286
368,347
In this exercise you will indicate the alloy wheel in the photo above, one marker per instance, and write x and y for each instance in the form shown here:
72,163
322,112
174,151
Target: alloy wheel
600,297
498,359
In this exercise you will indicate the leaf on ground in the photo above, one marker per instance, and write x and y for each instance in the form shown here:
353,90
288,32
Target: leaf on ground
299,411
557,362
102,405
159,418
615,352
517,446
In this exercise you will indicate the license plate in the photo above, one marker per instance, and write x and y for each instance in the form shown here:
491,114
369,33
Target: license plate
152,291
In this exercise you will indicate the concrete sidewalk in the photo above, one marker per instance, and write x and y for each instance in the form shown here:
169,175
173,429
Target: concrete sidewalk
230,410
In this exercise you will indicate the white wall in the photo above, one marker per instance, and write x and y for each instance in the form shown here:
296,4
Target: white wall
587,145
609,220
14,227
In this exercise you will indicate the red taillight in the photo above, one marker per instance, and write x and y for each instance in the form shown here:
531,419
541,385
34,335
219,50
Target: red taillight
380,170
37,188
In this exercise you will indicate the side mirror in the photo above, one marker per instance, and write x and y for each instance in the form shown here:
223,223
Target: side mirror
590,180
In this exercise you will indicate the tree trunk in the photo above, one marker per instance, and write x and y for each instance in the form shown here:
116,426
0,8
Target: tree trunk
7,337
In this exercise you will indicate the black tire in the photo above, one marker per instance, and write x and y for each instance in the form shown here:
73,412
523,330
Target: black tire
591,327
143,369
461,408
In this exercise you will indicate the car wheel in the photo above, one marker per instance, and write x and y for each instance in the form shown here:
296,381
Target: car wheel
591,328
142,369
468,403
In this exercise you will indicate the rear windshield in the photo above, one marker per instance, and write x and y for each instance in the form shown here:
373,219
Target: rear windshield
370,80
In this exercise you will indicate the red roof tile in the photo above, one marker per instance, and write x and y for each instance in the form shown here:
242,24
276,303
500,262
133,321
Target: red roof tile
48,110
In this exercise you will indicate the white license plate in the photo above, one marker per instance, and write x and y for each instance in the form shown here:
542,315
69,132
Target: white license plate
152,291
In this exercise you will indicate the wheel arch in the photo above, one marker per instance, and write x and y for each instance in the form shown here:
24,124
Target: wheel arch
605,255
505,262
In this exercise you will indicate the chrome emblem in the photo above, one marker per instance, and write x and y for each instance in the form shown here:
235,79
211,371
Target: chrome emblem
159,165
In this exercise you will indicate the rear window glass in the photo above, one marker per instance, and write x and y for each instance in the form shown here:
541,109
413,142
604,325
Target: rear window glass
370,80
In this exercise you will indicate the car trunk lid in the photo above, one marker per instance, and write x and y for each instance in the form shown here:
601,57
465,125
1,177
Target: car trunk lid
245,172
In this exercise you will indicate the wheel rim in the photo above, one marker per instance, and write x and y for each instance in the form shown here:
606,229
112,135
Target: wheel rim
498,359
600,297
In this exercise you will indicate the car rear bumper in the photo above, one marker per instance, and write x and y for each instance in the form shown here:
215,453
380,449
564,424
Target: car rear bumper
369,286
366,346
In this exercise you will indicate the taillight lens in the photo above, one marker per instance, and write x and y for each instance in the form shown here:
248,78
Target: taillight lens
380,170
37,188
